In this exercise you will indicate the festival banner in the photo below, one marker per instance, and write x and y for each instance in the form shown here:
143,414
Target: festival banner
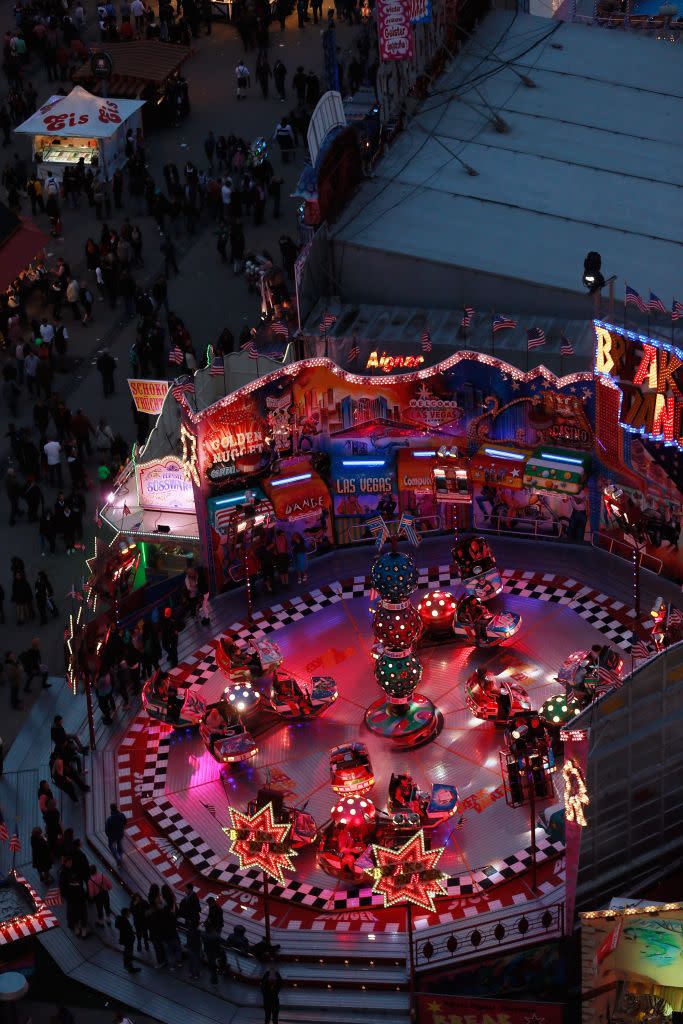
447,1009
148,395
395,31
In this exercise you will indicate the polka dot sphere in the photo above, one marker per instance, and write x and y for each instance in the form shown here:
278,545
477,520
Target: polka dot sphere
397,628
398,677
436,610
394,576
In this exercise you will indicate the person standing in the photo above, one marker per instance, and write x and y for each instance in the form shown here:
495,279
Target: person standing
263,74
99,887
106,367
114,828
14,493
271,983
169,636
127,935
300,557
73,893
139,909
242,77
41,855
279,76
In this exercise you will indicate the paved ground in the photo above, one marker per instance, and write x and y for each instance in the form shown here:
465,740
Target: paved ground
205,294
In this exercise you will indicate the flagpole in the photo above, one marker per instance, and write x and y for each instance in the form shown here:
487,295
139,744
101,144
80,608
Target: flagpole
493,338
648,314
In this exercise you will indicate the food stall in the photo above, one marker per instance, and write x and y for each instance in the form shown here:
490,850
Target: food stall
79,126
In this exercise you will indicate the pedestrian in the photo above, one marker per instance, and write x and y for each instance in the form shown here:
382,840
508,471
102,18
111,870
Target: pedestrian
44,796
41,855
114,828
190,909
33,496
279,76
212,950
73,294
72,891
192,589
99,887
14,493
170,937
48,531
193,944
210,149
169,636
126,932
275,192
53,826
32,661
22,598
214,916
106,366
271,983
263,74
139,909
299,83
284,136
282,557
300,557
243,80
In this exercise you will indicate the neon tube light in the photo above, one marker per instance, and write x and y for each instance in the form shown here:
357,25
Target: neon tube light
290,480
364,462
231,501
497,453
560,458
424,455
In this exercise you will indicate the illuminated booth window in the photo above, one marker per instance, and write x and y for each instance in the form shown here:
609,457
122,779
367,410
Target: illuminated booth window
500,465
296,492
557,469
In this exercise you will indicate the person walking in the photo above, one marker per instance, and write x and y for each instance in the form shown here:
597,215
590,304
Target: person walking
127,940
22,598
14,491
32,660
114,828
48,531
263,74
44,598
169,637
139,910
271,983
99,887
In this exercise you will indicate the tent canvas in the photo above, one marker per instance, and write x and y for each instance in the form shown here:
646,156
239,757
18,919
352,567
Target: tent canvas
80,115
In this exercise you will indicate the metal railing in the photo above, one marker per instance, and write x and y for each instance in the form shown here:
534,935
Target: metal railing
552,530
360,534
468,939
614,546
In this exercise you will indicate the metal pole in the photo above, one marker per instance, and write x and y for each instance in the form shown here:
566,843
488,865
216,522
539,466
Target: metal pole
636,580
532,817
411,960
91,715
266,906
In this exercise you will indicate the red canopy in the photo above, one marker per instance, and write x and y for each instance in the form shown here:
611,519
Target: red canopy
19,250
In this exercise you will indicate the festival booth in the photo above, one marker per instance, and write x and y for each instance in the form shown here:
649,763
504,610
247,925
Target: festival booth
301,502
79,126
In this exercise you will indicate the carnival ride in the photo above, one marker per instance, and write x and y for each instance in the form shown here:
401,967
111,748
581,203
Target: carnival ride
587,674
173,705
290,698
303,831
477,567
494,698
476,625
224,734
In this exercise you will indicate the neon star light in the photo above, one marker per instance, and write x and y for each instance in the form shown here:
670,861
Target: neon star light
410,874
575,793
259,842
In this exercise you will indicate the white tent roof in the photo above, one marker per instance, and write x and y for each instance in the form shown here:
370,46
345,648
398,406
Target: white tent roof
592,160
79,115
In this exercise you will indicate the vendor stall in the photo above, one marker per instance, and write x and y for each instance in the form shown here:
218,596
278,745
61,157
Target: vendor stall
68,129
301,502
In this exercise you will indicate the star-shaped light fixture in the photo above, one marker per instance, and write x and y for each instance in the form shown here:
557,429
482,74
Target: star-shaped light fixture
410,874
259,842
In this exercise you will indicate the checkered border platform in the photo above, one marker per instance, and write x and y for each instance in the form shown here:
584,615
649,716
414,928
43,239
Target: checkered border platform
610,617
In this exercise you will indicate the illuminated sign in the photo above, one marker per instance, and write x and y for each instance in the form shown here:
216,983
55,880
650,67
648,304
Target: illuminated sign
387,363
148,395
304,506
162,484
575,793
648,375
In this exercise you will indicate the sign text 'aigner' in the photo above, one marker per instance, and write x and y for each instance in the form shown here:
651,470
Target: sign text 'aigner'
649,374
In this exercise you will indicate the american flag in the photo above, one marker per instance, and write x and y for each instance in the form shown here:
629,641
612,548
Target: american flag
656,305
535,338
176,355
280,329
15,842
355,352
632,298
217,367
467,314
501,323
675,617
426,340
4,834
566,347
328,320
641,650
676,310
607,677
250,348
185,388
126,510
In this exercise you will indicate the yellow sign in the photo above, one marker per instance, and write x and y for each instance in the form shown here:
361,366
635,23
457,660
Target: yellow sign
149,395
387,363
